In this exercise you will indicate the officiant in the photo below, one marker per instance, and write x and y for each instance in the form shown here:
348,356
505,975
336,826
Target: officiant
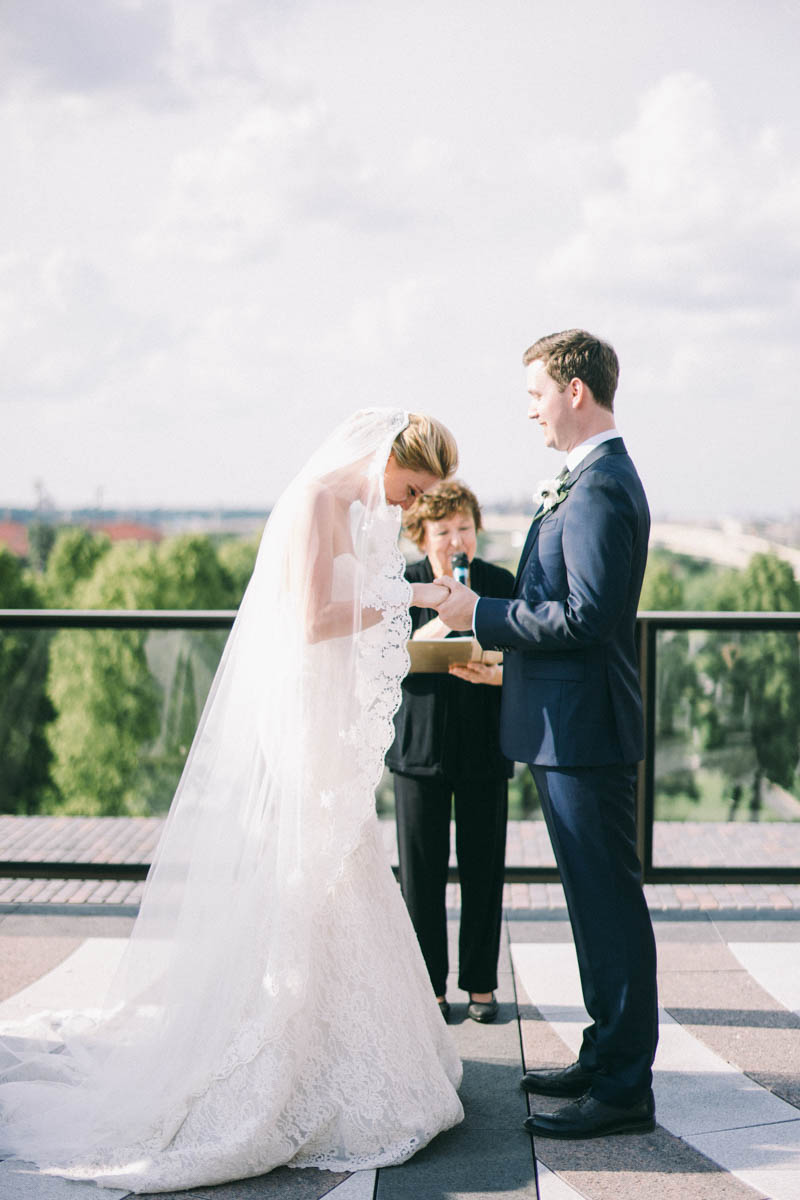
446,755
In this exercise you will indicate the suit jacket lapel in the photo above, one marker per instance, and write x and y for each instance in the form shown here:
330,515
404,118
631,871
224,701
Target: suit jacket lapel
530,541
612,446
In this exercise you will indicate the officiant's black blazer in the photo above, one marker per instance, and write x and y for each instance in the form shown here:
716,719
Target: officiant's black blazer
445,726
571,693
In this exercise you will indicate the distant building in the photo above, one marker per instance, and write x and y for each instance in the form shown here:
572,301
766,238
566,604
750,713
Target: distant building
14,536
128,531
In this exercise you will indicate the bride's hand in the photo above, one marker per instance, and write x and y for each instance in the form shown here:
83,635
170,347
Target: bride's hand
428,595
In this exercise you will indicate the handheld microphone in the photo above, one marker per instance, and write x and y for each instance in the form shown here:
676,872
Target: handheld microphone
460,565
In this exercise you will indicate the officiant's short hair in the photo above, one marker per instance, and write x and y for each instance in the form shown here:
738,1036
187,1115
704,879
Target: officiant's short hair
576,354
442,501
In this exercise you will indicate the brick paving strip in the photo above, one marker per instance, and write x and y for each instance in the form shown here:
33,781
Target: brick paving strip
133,839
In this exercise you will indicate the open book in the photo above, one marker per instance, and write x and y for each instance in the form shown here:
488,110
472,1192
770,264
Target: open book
433,656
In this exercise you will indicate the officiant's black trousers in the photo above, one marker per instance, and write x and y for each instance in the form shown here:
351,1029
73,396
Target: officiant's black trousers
423,807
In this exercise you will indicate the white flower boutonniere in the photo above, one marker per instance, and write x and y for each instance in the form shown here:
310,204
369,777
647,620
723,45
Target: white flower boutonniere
548,495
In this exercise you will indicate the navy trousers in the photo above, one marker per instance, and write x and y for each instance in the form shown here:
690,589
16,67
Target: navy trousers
590,817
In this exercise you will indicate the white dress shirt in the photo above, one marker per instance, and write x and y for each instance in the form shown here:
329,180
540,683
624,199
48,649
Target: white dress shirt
578,454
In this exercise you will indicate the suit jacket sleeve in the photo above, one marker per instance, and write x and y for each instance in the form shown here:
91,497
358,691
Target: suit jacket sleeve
598,532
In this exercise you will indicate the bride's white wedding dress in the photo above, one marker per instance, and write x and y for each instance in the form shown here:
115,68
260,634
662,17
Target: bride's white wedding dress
272,1005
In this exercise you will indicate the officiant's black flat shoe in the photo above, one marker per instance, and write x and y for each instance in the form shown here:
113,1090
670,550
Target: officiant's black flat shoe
444,1008
483,1012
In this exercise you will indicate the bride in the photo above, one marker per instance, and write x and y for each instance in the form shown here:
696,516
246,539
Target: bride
272,1005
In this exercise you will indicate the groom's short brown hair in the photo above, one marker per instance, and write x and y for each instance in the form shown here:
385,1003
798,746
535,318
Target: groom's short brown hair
576,354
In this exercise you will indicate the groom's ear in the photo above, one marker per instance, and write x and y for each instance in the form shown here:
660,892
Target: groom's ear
577,392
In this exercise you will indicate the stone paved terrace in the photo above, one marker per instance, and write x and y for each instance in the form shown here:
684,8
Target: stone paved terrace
727,1077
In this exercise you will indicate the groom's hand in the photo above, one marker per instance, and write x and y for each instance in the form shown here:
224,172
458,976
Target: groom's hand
458,609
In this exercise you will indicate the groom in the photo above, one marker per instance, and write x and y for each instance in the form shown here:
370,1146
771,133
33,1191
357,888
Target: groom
572,710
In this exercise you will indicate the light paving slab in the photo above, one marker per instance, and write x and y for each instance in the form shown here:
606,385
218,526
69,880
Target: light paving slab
699,1097
775,966
79,982
552,1186
768,1159
360,1186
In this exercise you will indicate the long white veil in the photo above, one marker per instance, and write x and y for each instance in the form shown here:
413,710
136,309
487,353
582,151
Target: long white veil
277,787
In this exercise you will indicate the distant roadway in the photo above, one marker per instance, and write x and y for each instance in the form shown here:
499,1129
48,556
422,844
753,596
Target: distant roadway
724,544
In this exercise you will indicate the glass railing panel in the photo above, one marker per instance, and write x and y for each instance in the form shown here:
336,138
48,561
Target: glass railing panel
727,744
98,722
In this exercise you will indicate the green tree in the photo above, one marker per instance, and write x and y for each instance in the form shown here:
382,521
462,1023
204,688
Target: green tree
183,662
238,557
191,575
108,702
41,538
25,708
676,681
73,558
662,589
128,701
766,675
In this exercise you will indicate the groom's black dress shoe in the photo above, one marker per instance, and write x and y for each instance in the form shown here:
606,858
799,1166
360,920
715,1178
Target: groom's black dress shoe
566,1081
589,1118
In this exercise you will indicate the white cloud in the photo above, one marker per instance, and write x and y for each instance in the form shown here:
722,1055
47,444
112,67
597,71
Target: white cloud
118,45
237,195
62,331
697,217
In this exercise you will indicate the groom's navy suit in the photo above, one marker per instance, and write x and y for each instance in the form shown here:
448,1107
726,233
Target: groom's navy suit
572,709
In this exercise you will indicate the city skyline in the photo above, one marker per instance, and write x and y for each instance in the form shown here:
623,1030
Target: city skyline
226,225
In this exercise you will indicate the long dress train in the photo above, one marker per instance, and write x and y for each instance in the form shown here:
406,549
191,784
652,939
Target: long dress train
272,1005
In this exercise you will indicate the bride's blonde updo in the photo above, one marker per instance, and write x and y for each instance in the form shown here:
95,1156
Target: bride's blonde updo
426,445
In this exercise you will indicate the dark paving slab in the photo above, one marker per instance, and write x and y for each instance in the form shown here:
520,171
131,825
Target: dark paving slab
488,1156
697,955
283,1183
702,931
21,1181
71,925
783,927
23,960
545,930
655,1165
464,1162
745,1025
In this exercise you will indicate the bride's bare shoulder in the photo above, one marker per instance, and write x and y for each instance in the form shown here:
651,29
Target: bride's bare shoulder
318,499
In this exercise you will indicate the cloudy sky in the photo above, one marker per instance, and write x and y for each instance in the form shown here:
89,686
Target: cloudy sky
225,224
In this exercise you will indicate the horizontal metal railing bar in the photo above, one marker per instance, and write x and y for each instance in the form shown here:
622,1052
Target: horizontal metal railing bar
73,618
720,620
723,874
162,618
39,869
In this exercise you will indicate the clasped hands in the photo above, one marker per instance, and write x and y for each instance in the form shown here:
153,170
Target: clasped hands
454,602
455,605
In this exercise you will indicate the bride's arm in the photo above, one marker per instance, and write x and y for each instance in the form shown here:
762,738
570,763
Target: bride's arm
324,617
